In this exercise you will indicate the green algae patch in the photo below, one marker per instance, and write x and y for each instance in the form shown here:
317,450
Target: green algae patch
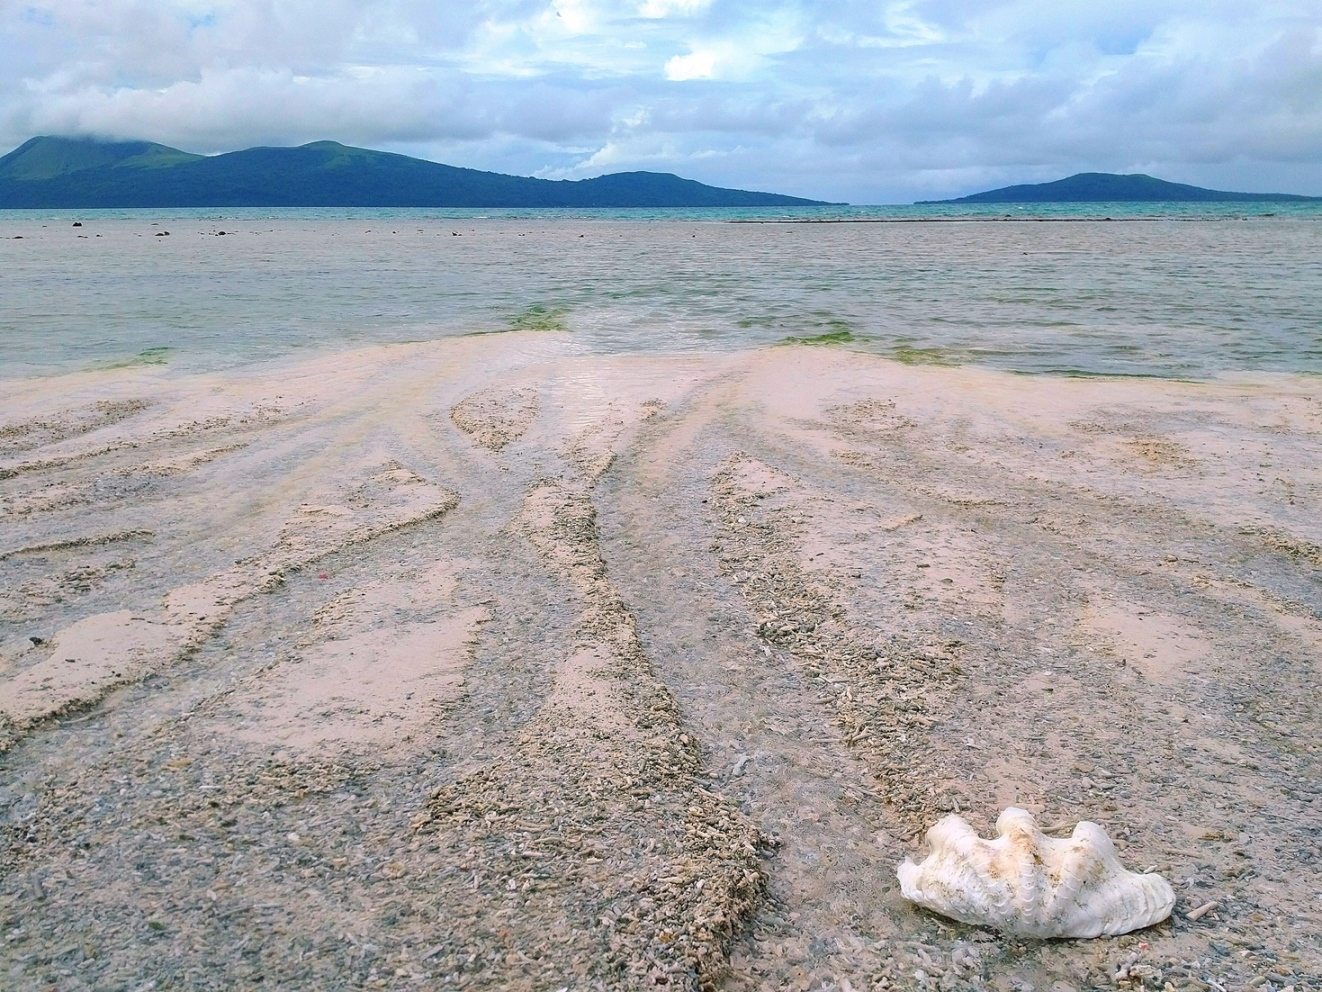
539,318
840,336
153,356
910,355
836,331
149,356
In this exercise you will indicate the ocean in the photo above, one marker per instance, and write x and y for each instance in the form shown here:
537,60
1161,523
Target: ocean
1172,290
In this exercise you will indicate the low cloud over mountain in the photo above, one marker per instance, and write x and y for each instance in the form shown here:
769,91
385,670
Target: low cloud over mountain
860,102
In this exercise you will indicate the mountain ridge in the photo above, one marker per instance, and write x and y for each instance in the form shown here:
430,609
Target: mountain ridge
85,173
1111,187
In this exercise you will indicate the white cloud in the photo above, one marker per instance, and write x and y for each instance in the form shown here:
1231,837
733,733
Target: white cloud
695,65
672,8
906,27
866,102
577,16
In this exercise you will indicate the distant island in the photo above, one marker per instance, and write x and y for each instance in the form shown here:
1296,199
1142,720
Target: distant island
84,173
1107,187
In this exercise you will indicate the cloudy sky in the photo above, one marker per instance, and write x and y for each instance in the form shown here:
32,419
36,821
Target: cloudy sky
869,102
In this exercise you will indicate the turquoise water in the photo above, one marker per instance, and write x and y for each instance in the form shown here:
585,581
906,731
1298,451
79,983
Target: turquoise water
1139,289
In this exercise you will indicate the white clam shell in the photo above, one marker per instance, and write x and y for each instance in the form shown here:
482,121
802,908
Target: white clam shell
1030,885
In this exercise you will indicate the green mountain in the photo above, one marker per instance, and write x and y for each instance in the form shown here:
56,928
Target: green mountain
53,172
1107,187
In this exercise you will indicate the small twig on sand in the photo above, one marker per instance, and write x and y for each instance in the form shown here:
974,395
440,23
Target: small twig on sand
1197,914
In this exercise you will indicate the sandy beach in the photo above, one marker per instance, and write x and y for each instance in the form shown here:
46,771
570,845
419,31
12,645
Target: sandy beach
485,663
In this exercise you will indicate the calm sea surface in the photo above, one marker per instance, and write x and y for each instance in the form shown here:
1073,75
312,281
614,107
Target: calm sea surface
1181,290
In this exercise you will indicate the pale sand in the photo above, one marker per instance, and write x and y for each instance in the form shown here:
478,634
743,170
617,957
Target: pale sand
481,663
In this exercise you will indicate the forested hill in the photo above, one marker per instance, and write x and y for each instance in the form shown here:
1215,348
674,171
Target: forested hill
1107,187
54,172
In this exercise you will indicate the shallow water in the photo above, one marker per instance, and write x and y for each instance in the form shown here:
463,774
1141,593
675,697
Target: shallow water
1177,290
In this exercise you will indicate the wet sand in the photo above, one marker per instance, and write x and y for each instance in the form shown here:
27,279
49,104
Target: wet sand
483,663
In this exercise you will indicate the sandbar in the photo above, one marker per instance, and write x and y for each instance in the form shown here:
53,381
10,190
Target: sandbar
488,663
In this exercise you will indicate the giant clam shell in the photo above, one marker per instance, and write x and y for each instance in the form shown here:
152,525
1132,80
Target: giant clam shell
1030,885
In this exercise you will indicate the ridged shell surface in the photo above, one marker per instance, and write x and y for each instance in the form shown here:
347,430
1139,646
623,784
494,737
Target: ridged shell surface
1030,885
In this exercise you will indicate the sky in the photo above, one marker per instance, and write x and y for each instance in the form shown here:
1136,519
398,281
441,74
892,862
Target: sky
863,102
